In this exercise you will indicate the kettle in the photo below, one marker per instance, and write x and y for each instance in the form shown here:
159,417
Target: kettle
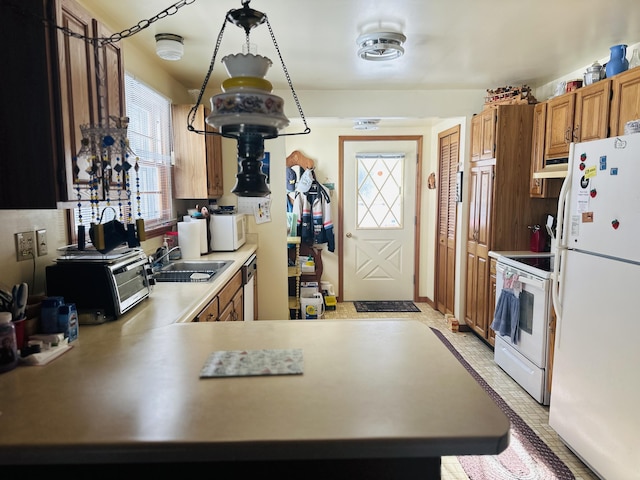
594,74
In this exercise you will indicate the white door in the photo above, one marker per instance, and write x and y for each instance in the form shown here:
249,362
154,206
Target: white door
379,220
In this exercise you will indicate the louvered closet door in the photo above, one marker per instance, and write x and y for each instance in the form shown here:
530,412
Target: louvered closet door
449,141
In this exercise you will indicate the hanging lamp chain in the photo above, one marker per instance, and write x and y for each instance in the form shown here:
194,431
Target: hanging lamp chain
192,113
127,32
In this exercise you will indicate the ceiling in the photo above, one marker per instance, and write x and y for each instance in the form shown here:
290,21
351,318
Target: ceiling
452,44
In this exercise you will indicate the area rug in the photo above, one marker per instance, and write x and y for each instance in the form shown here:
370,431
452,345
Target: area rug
526,457
385,306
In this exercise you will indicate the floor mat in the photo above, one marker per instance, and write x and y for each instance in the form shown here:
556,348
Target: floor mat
526,457
385,306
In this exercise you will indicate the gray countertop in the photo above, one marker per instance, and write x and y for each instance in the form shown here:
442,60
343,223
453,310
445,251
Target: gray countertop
130,391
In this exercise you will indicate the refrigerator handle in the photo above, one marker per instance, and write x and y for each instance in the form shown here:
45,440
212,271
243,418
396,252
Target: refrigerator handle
561,244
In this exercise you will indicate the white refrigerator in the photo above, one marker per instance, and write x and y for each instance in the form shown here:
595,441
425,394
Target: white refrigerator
595,392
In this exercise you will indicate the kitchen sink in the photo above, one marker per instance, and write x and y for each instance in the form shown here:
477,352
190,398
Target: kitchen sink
191,270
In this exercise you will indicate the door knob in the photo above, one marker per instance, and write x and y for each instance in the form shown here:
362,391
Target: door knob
348,234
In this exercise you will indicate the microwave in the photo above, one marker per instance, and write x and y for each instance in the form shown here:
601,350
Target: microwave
228,231
112,284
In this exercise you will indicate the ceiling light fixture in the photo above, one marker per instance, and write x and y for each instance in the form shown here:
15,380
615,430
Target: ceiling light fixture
246,110
366,124
169,46
379,46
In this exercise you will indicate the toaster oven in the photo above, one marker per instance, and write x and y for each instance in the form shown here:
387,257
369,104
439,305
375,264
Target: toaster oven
112,284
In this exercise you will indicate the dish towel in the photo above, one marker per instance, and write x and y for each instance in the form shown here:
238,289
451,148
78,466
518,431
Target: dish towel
506,320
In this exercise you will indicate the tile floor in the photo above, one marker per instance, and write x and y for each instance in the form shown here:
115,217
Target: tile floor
480,356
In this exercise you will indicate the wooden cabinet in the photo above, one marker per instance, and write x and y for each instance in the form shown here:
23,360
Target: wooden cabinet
197,173
228,305
58,82
625,101
483,127
591,119
234,310
480,199
91,92
500,210
209,313
540,187
537,185
578,116
559,126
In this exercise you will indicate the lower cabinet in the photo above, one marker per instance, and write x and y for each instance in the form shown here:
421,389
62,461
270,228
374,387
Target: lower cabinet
227,306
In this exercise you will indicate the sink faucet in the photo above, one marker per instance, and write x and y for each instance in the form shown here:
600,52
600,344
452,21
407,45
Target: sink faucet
159,261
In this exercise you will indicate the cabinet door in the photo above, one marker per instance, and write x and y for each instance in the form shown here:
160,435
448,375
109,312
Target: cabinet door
488,146
481,195
476,138
208,313
625,102
234,311
190,168
214,165
30,176
78,93
89,95
536,186
483,127
197,172
559,129
592,111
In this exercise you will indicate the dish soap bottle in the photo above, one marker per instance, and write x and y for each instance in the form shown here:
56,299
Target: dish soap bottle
8,349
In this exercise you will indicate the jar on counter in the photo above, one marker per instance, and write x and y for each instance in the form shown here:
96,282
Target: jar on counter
172,241
8,348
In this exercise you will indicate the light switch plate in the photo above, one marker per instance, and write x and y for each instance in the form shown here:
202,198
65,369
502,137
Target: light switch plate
41,240
25,246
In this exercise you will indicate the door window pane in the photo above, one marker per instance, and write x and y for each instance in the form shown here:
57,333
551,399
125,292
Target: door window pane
379,191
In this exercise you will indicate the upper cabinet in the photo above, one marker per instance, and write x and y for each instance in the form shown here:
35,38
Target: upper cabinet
90,92
559,127
625,102
47,98
483,128
577,116
197,173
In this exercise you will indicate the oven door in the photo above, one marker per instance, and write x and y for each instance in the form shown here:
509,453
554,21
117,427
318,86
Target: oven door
534,314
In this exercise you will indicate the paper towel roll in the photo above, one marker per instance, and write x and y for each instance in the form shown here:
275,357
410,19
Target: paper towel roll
189,239
202,222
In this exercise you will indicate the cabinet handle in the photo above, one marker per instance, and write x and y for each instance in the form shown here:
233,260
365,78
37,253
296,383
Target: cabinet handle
567,135
575,133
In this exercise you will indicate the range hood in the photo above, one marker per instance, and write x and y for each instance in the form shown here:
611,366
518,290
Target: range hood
553,168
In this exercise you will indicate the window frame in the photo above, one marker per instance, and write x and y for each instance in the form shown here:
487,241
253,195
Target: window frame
160,149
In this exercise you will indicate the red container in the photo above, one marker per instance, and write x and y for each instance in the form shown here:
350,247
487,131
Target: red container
538,241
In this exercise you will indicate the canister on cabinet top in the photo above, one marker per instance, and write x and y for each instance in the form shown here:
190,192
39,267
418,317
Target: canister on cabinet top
8,348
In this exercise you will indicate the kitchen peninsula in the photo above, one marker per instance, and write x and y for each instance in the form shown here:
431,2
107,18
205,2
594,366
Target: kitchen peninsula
377,399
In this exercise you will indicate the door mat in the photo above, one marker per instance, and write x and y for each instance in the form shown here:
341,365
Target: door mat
527,456
385,306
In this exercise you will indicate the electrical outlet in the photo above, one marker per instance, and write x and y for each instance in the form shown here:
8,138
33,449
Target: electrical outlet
25,246
41,240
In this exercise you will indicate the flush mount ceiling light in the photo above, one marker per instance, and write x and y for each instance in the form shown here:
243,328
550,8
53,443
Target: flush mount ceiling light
379,46
366,124
169,46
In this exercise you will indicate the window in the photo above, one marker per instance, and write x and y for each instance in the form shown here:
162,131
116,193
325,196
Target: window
149,135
